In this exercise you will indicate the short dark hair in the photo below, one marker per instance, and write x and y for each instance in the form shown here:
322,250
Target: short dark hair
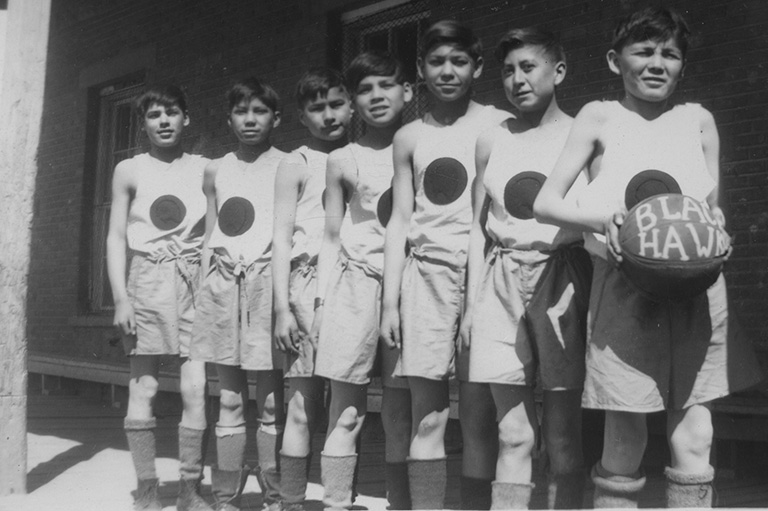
166,95
530,36
373,63
651,23
451,32
317,80
252,88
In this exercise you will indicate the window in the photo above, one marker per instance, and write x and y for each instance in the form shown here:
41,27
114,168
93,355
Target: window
116,138
393,26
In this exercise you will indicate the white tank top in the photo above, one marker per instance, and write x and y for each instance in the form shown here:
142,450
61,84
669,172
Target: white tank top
362,233
310,213
670,143
444,168
518,165
167,213
245,203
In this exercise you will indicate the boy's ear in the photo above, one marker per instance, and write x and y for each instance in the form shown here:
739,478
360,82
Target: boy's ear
478,68
419,66
276,117
186,120
407,92
302,117
613,61
560,70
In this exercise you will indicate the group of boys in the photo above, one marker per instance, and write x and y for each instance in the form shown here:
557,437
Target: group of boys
293,266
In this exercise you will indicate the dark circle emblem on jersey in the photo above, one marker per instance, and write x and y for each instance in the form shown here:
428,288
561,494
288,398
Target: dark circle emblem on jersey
647,184
384,207
521,192
444,181
236,216
167,212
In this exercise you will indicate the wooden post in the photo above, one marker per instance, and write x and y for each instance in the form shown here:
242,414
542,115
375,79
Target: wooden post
21,107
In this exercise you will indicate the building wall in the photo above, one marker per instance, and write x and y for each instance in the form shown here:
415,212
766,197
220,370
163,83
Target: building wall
206,45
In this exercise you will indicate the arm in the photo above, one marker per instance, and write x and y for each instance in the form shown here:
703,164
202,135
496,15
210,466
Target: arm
710,145
211,212
123,186
477,237
397,231
337,176
581,147
288,181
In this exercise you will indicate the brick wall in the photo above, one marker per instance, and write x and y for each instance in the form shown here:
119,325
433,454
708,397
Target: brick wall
206,45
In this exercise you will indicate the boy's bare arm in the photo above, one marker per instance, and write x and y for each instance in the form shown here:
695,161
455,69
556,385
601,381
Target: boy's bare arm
550,206
123,187
397,232
288,181
710,145
477,238
211,212
337,176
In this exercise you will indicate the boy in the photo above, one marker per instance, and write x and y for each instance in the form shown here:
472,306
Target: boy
349,274
158,213
233,323
526,307
423,293
324,108
677,357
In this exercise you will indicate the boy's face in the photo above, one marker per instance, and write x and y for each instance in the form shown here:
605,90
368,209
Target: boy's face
380,100
650,69
449,71
164,124
252,121
327,117
530,75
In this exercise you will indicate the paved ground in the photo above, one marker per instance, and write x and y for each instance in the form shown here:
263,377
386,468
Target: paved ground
78,460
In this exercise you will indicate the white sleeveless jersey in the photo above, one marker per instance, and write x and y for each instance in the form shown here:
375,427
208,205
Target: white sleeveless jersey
167,214
670,143
310,213
518,165
245,204
369,208
444,168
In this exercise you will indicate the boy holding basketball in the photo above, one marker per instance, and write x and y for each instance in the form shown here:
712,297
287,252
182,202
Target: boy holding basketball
644,356
324,109
526,306
423,292
349,272
233,322
157,213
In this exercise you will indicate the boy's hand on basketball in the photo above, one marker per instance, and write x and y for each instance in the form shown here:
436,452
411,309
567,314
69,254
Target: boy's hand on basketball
390,328
612,227
125,319
719,216
286,333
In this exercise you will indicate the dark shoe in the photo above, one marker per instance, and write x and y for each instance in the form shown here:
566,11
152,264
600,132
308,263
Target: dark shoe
146,496
189,498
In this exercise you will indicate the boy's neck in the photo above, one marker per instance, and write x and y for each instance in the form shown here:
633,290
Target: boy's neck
326,146
166,154
549,115
379,138
250,153
447,113
648,110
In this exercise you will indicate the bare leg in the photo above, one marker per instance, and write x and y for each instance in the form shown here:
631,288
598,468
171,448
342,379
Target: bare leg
517,432
345,417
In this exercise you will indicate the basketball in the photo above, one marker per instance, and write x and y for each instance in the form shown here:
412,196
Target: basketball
520,194
672,247
236,216
444,181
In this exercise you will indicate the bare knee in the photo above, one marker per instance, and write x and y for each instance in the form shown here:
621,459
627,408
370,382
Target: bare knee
516,433
432,424
231,404
694,438
143,389
297,413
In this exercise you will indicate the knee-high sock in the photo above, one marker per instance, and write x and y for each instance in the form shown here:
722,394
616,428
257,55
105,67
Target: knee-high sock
230,447
141,442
